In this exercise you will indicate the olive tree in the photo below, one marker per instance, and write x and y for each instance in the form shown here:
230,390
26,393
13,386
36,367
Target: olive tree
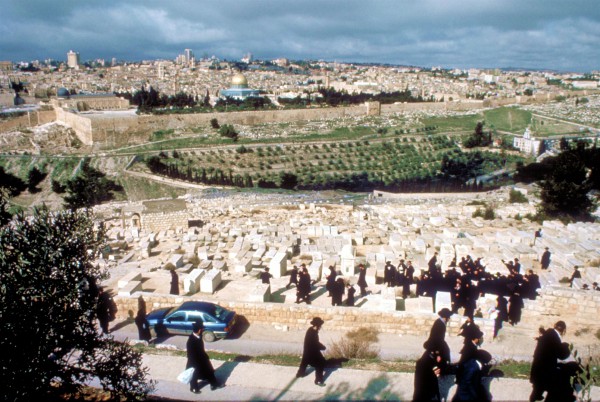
48,295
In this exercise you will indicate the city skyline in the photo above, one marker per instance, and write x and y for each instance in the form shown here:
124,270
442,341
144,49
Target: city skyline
552,35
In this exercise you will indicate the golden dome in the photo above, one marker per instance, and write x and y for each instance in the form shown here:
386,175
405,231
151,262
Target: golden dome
239,80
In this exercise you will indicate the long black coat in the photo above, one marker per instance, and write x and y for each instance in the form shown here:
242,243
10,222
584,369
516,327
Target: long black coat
197,357
426,382
312,349
437,336
544,367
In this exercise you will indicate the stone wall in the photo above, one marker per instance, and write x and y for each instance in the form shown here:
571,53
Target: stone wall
81,124
576,307
155,222
297,317
31,119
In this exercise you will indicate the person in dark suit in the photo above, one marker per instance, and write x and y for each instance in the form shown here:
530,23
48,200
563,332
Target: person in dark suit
437,335
362,280
266,276
545,260
427,371
351,291
469,386
311,354
409,273
337,292
544,367
501,314
199,360
103,310
515,307
330,285
389,274
174,283
293,277
141,322
575,275
304,287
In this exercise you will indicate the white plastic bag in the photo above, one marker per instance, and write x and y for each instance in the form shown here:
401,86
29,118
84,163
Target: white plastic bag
186,375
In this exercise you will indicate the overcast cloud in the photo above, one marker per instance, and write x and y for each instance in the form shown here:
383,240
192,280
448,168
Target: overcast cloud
540,34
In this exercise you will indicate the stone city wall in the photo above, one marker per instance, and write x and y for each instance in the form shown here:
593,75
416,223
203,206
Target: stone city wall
155,222
31,119
119,131
81,124
297,317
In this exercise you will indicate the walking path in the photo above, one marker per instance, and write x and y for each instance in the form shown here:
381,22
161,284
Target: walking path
247,381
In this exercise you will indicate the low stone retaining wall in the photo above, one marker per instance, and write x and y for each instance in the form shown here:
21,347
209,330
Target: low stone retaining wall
298,316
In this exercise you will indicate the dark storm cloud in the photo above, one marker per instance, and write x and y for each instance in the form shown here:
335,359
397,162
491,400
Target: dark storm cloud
552,34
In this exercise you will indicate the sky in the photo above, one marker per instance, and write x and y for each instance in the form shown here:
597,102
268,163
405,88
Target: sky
561,35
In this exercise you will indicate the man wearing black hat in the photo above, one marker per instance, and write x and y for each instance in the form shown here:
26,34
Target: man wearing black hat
311,354
199,360
438,334
544,369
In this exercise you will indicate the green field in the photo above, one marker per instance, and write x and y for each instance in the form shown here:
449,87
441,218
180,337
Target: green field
508,119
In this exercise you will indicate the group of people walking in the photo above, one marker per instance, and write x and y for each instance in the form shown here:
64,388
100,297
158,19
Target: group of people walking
548,374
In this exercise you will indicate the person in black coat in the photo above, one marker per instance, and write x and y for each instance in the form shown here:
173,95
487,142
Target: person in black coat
311,354
174,283
389,274
427,371
437,335
351,291
544,369
409,273
141,322
265,277
103,309
362,280
293,277
501,314
199,360
515,307
337,292
330,285
545,260
304,287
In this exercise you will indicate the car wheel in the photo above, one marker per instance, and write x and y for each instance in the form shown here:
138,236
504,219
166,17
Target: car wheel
209,336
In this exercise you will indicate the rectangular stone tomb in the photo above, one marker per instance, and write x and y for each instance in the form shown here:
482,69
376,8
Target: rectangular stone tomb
442,299
130,288
260,293
278,265
314,270
419,304
219,265
244,265
191,283
176,260
131,276
210,281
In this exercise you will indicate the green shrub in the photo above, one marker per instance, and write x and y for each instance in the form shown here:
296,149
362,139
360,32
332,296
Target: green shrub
488,213
517,197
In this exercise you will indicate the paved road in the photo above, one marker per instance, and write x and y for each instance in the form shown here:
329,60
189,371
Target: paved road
264,339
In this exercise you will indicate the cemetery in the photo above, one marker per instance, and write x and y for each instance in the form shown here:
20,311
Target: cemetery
235,237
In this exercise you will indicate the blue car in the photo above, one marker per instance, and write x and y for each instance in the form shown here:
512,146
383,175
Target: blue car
217,320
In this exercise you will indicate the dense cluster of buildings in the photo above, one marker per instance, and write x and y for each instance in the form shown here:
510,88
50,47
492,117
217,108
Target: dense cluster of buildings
201,76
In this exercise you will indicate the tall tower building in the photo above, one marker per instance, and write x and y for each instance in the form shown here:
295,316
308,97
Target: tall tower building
72,59
189,55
